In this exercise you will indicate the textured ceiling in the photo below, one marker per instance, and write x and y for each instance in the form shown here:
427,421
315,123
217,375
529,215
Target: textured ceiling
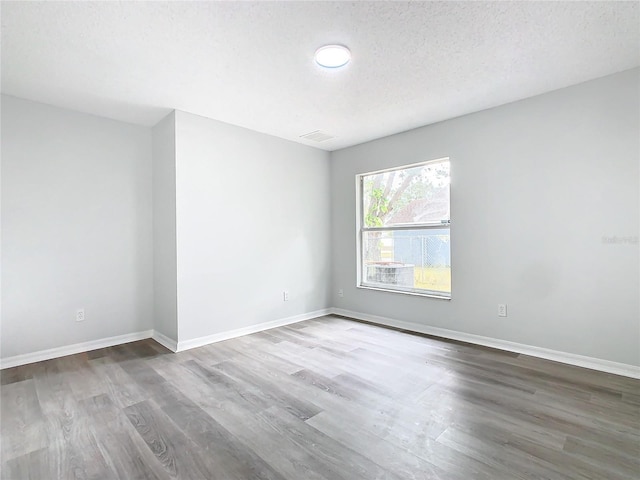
250,63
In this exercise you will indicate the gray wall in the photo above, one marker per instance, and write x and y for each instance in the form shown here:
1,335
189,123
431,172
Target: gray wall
76,227
536,185
538,188
252,221
164,228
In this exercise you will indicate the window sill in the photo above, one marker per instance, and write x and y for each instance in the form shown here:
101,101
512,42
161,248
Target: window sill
403,292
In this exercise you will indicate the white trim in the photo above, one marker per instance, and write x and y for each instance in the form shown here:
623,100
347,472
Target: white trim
608,366
162,339
165,341
218,337
26,358
404,167
592,363
418,293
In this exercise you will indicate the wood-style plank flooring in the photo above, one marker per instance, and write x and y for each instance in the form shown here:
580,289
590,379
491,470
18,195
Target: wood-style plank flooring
325,399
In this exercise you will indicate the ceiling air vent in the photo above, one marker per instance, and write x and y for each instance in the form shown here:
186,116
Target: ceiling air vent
317,136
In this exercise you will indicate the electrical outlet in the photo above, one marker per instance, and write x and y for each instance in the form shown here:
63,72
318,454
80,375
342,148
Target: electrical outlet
502,310
285,295
341,293
80,315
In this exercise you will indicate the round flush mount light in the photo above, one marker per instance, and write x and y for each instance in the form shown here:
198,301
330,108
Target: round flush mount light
332,56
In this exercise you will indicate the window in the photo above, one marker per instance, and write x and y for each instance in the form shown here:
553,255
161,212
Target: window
403,233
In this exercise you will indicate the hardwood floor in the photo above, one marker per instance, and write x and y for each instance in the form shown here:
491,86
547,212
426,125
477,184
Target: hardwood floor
325,399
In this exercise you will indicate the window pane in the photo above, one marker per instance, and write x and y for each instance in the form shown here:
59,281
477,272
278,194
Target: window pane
408,259
408,196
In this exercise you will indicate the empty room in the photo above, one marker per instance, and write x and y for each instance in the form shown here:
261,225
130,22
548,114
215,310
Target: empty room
320,240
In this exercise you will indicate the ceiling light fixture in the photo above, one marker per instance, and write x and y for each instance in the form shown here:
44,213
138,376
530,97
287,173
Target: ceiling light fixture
333,56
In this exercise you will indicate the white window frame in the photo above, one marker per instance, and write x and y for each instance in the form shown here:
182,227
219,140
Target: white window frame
361,229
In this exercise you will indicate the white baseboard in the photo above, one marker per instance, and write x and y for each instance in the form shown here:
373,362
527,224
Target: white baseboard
26,358
162,339
219,337
555,355
165,341
546,353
